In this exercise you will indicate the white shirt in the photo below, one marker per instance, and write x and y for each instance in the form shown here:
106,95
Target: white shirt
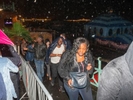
57,50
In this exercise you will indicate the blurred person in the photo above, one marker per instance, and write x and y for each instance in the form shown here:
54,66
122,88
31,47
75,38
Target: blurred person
9,52
23,45
30,54
78,62
7,66
67,42
47,43
55,51
116,81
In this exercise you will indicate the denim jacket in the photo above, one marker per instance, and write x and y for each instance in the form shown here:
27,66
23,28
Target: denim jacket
6,66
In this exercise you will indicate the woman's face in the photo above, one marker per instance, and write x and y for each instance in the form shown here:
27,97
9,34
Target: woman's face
82,49
47,44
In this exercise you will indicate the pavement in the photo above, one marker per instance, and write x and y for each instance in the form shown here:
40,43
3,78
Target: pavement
54,91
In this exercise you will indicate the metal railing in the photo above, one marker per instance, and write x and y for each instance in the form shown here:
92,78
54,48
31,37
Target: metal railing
97,71
34,87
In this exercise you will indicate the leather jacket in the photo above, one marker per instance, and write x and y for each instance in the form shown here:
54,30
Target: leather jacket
39,51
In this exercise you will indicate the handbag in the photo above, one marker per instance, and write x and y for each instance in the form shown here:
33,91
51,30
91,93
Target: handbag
79,79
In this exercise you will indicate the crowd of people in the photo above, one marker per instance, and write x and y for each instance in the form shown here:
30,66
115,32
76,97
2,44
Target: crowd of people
73,66
58,59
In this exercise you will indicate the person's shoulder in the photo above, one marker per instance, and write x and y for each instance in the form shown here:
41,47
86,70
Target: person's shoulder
4,59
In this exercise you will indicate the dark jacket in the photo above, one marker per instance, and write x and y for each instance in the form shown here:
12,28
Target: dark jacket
39,51
15,57
68,64
116,82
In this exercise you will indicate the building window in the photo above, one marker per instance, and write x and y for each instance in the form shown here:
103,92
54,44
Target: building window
95,30
89,32
110,32
118,31
101,31
126,30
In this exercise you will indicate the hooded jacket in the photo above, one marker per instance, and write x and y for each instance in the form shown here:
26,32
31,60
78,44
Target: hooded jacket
51,48
116,82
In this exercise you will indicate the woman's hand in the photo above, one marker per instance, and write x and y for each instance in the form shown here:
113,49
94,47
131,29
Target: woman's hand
89,67
70,82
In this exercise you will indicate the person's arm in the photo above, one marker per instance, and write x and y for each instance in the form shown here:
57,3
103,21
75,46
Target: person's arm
55,55
91,63
109,84
15,57
63,69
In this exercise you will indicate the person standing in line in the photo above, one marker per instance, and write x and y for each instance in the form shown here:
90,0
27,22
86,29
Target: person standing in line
29,54
9,52
7,66
47,43
79,61
39,56
55,52
23,45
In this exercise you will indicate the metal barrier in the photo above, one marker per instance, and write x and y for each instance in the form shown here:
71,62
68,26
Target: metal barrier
34,87
97,71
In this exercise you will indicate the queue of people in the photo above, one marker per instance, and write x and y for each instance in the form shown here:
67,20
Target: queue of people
60,59
72,65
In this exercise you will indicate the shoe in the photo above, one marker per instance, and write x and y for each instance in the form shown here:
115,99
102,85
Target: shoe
52,84
61,89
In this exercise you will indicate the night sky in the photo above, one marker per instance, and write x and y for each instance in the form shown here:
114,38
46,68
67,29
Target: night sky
72,9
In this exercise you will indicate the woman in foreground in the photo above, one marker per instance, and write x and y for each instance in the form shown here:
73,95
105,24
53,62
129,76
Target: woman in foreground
76,67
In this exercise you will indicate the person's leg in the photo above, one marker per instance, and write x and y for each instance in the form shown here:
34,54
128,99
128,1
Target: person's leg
86,94
42,68
38,69
54,72
48,71
72,92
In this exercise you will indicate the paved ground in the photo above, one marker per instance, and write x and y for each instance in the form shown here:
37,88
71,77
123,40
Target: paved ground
54,91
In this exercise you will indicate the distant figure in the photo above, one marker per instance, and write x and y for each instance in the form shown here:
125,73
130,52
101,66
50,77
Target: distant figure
7,66
47,43
30,54
23,45
67,42
116,82
77,62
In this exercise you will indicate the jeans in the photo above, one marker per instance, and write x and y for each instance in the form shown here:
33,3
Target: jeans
73,93
54,70
39,68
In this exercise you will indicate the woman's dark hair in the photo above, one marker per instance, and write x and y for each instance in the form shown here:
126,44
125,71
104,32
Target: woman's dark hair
78,42
47,40
76,45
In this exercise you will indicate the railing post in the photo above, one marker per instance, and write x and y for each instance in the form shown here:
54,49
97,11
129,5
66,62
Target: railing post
99,67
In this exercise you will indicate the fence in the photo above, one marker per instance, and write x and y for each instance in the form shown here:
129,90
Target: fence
34,87
97,71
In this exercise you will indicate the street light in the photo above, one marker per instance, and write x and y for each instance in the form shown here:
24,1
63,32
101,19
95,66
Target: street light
1,9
